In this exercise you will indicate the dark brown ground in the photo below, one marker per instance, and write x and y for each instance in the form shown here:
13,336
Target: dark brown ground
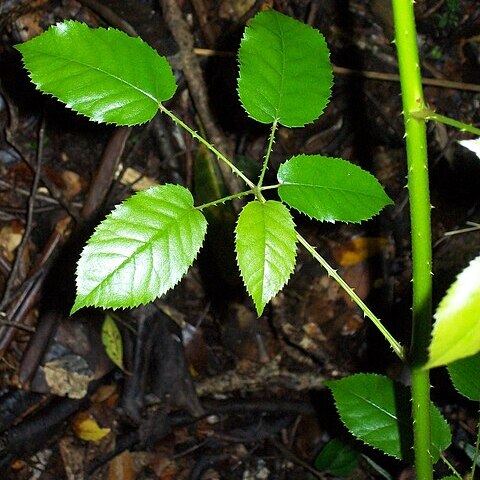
260,379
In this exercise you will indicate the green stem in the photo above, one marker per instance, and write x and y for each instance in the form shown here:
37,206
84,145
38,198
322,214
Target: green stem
269,151
416,145
397,348
477,446
270,187
219,155
225,199
451,467
431,115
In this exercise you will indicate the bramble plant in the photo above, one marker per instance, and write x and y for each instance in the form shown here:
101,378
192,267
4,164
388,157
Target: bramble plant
146,245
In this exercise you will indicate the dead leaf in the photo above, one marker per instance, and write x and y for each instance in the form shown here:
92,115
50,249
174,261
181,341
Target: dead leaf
358,250
137,180
86,428
68,376
72,184
10,238
121,467
112,341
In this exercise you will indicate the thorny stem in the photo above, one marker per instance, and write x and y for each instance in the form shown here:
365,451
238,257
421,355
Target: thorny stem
397,348
418,186
225,199
427,114
451,467
269,151
219,155
477,446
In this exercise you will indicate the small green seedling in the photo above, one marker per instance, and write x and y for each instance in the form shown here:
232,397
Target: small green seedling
148,243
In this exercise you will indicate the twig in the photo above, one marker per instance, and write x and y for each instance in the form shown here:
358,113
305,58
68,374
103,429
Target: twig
105,173
389,77
110,16
197,88
29,221
393,77
267,376
294,458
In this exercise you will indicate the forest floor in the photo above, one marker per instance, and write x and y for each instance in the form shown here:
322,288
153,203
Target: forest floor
238,397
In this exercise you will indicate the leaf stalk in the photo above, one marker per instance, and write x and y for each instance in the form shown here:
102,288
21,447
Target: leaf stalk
225,199
428,114
218,154
271,139
396,346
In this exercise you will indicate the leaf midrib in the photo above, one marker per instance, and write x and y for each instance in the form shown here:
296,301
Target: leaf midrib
70,60
312,185
138,251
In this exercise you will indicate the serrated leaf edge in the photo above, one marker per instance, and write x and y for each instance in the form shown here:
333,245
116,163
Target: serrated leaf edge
75,308
67,105
290,273
329,220
341,419
277,119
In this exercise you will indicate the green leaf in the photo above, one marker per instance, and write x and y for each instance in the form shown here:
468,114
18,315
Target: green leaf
112,341
285,70
330,189
265,241
141,250
103,74
338,458
465,376
377,411
450,477
456,333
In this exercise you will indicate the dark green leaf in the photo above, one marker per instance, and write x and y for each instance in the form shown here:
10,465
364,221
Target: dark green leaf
103,74
330,189
377,411
141,250
285,70
338,458
465,375
265,242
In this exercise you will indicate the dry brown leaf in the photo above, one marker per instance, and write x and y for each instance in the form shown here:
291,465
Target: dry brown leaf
121,467
358,250
10,238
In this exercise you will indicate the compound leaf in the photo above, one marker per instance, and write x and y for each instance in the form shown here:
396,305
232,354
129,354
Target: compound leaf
285,70
101,73
330,189
141,250
465,376
456,333
265,242
377,411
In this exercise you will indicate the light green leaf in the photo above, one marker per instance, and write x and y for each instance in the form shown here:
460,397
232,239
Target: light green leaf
377,411
330,189
465,376
338,458
265,242
472,145
141,250
112,341
103,74
285,70
456,333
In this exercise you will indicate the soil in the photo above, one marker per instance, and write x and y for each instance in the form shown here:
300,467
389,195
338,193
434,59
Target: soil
207,390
